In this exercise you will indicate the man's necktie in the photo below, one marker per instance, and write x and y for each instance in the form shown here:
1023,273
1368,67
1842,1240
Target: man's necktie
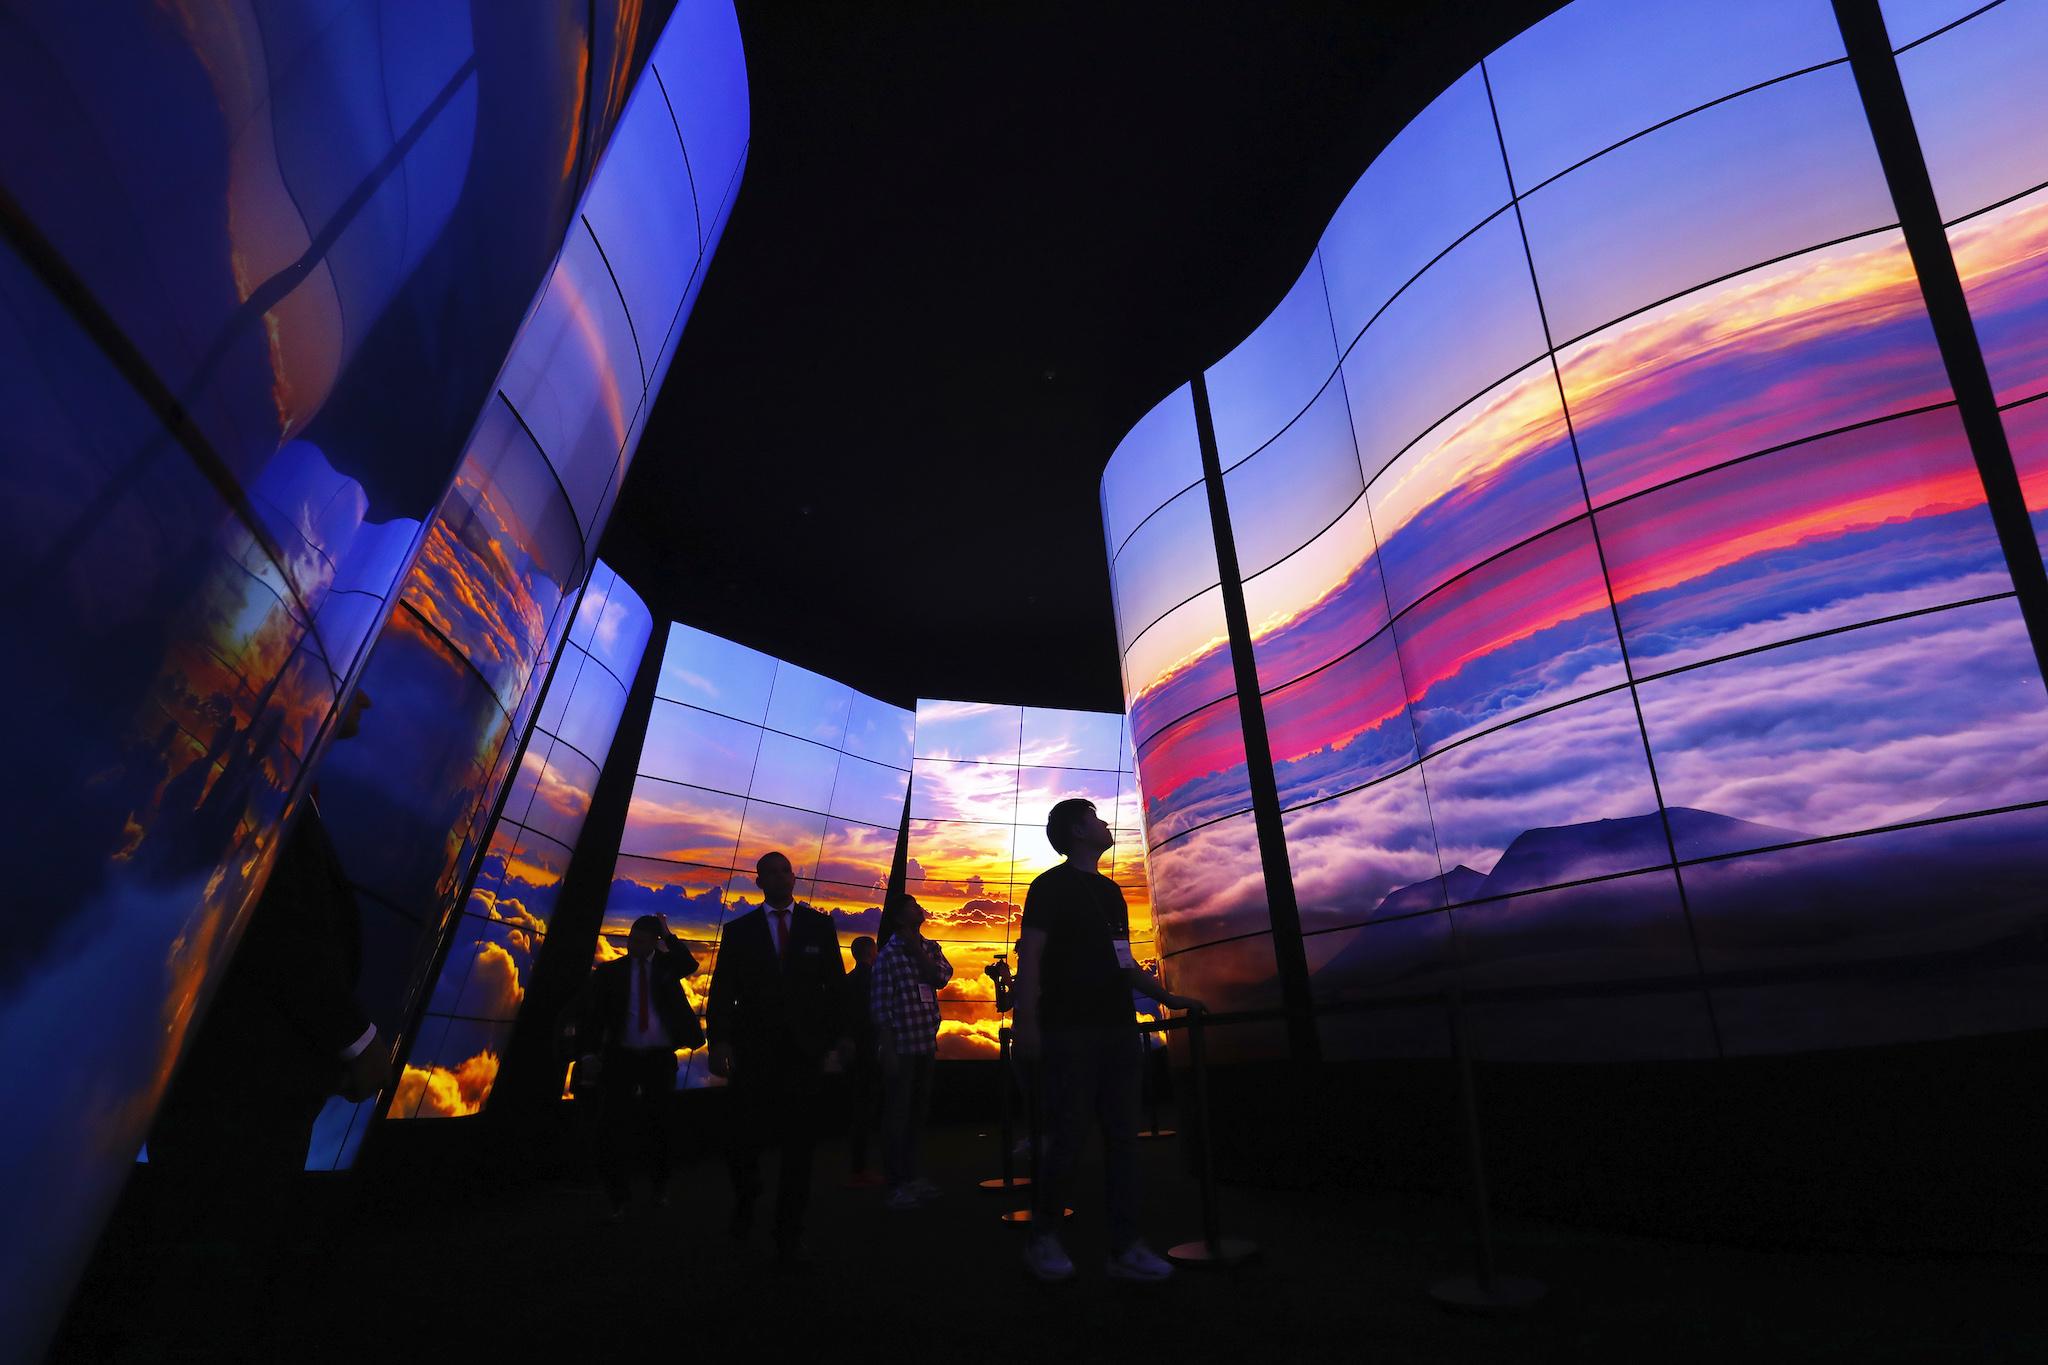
782,935
644,994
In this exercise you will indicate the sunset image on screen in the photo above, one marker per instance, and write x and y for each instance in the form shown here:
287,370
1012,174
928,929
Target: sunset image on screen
1652,536
984,778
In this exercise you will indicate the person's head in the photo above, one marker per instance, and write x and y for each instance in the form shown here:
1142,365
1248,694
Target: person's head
1074,829
863,951
902,916
351,722
645,933
776,878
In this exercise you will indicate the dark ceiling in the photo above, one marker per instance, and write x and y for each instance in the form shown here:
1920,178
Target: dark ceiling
974,244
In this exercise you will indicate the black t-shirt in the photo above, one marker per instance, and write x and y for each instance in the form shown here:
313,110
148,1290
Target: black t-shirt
1082,915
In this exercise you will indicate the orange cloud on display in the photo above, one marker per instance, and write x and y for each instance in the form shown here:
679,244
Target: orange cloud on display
962,1040
494,990
443,1092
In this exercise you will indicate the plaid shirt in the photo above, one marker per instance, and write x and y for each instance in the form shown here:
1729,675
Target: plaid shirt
904,996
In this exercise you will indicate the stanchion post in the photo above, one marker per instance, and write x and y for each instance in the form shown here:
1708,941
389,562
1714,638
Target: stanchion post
1006,1077
1148,1076
1034,1106
1214,1250
1486,1290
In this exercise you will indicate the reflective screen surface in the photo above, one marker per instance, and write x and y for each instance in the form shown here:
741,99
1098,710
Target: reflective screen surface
984,780
1629,620
237,410
746,754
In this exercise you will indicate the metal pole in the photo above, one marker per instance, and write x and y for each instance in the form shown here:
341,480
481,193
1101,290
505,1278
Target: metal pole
1150,1079
1034,1106
1486,1291
1214,1250
1006,1076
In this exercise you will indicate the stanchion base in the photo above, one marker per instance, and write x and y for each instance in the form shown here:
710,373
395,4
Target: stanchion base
1504,1294
1018,1218
1158,1133
1227,1252
998,1185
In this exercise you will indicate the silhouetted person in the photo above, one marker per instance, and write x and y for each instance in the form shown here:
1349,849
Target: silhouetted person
635,1015
284,1032
774,1012
909,971
1074,1016
863,1072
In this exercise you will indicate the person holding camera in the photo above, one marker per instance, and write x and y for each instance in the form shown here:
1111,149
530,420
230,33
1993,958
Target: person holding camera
1074,1019
909,971
634,1018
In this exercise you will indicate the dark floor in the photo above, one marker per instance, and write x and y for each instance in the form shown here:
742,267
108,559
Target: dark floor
532,1272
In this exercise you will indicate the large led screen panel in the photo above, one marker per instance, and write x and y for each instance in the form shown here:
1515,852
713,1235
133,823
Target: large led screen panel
272,264
746,754
482,982
1650,586
985,777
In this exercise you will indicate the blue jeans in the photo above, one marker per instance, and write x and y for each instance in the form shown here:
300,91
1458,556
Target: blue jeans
1090,1074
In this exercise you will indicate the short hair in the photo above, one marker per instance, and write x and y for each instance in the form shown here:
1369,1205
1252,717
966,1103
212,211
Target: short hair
651,923
864,940
773,855
1059,823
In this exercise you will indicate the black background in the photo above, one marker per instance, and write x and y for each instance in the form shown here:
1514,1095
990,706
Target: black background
973,245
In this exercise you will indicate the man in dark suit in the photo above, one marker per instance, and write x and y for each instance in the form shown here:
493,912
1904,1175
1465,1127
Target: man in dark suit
635,1016
774,1012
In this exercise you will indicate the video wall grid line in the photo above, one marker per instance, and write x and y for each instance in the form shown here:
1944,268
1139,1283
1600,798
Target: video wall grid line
1600,554
1892,465
734,762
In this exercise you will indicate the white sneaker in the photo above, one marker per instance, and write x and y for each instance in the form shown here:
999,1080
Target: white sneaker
901,1198
1136,1262
1046,1259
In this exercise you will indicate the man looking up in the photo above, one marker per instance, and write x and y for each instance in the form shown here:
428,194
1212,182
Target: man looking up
773,1012
1074,984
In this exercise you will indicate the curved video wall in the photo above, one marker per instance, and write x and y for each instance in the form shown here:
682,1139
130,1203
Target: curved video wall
744,755
458,671
1634,646
258,269
476,997
984,779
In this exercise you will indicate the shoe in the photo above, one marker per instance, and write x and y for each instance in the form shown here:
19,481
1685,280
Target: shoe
901,1198
1047,1260
1136,1262
922,1188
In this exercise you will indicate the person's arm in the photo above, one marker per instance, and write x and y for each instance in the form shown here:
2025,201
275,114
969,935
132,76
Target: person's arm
1024,1031
833,984
1150,986
929,962
675,959
882,994
718,1014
